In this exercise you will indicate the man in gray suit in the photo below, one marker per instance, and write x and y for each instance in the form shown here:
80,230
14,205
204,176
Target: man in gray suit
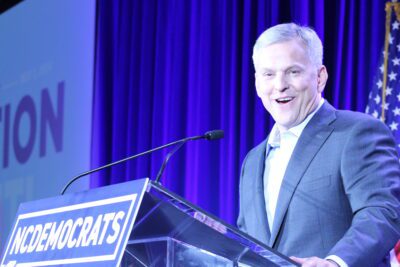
325,184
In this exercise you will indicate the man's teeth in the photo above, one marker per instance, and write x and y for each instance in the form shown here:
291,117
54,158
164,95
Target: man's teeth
284,99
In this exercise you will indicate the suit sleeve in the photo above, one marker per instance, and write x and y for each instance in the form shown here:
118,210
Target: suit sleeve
371,180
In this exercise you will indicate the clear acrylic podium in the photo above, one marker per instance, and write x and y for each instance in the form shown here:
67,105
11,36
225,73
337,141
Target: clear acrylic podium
170,231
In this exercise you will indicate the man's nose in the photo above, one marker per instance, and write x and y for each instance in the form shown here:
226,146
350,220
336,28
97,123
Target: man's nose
280,82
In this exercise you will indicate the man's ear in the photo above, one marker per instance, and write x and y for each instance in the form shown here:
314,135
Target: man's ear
322,78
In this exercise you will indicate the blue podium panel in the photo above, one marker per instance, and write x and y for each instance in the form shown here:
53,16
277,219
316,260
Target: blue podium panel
75,229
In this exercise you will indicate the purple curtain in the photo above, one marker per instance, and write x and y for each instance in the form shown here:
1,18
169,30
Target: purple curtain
167,69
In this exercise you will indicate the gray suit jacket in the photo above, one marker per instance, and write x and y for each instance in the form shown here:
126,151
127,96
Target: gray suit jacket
340,194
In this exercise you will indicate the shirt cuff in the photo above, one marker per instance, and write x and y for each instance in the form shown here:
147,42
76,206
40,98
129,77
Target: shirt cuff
338,260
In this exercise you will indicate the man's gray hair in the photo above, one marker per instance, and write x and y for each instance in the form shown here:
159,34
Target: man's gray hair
289,31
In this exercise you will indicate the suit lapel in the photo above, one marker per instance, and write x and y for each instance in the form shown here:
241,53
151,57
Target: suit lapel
259,201
308,145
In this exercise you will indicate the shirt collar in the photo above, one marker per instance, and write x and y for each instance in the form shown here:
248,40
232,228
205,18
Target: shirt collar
275,135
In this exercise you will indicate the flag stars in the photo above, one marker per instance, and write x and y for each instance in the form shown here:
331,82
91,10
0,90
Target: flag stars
375,114
392,76
389,91
393,126
379,84
396,61
377,99
396,111
398,47
386,106
395,25
390,39
398,97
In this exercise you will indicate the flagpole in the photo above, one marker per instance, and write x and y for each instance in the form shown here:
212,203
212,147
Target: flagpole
388,9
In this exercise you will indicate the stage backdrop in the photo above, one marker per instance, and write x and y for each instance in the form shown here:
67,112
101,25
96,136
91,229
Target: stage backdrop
169,69
46,85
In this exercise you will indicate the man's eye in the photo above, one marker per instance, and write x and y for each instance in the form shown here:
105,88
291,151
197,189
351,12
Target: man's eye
268,74
294,72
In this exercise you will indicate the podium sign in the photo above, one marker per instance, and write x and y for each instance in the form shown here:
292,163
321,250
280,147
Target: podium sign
80,228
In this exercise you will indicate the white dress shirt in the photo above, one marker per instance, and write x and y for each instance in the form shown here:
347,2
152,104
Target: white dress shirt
281,146
278,153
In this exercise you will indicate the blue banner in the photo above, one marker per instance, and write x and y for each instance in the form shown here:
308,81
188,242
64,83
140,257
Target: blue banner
80,228
46,96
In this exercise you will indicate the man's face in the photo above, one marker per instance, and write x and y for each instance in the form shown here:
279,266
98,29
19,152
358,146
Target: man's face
288,83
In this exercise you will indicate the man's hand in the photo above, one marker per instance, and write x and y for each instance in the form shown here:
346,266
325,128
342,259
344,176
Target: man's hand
314,262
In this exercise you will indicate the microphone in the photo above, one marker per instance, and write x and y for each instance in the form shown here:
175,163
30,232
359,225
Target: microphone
211,135
214,134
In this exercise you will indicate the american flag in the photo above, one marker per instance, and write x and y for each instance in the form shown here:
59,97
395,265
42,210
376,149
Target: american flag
384,98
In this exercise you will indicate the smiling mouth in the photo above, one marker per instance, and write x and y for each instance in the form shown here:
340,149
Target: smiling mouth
284,100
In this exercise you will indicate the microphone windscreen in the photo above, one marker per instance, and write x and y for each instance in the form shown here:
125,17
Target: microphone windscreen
215,134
